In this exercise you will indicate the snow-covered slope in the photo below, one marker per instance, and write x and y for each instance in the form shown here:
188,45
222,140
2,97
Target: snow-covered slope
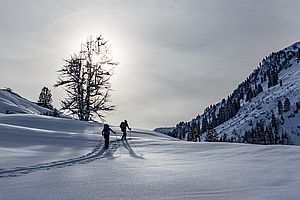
11,102
264,104
27,139
51,158
246,114
164,130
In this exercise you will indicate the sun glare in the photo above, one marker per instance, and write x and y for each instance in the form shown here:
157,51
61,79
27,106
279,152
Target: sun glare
95,59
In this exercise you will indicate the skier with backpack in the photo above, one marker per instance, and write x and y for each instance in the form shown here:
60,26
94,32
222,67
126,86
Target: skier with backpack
123,127
106,132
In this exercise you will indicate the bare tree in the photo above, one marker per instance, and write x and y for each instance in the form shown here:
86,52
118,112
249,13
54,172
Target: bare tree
86,79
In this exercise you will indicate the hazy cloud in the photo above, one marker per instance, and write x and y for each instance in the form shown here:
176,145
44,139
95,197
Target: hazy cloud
177,57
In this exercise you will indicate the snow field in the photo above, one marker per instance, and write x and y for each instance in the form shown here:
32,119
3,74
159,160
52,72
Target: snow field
50,158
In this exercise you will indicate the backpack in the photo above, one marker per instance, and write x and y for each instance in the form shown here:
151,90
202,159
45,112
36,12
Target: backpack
123,125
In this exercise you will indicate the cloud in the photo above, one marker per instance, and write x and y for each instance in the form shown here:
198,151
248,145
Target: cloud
176,57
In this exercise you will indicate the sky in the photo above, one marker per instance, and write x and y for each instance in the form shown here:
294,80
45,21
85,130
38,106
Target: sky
176,57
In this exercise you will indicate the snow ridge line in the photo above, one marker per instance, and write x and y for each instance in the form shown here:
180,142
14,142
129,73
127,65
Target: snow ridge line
97,153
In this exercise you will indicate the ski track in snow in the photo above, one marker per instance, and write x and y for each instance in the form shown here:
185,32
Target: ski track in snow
99,152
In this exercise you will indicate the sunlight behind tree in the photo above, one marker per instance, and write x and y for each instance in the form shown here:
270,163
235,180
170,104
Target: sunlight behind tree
86,79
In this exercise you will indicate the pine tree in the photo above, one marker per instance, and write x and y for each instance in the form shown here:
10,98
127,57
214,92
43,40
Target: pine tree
248,137
298,105
249,94
274,121
45,98
275,128
204,124
260,136
270,139
280,107
212,135
225,138
286,105
285,139
259,88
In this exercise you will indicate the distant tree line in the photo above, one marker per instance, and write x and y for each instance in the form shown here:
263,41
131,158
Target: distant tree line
263,133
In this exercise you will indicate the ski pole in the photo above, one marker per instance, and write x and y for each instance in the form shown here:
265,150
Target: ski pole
130,133
99,143
116,136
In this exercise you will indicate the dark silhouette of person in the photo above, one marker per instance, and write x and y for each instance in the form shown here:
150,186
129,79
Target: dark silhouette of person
124,126
106,132
197,134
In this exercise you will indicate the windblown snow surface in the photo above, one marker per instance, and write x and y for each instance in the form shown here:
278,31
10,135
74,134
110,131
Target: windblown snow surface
50,158
11,102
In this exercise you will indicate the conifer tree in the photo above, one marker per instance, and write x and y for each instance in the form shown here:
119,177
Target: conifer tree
270,139
298,105
45,98
286,105
279,107
259,88
275,128
212,135
204,124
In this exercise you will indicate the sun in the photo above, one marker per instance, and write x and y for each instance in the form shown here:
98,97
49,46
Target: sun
95,59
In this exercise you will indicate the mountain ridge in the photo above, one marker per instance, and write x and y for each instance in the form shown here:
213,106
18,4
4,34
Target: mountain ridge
255,101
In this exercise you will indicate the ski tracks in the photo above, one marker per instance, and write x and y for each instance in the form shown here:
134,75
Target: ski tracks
98,152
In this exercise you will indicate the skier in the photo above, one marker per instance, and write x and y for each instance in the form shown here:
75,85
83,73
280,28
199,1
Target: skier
106,132
123,127
196,133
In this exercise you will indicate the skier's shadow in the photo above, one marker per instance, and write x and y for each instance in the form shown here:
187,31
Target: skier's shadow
131,151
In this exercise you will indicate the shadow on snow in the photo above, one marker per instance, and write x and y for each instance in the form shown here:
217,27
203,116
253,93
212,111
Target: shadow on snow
130,150
97,153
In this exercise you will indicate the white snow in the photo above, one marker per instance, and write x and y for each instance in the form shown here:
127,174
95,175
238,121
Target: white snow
164,130
11,102
262,106
51,158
